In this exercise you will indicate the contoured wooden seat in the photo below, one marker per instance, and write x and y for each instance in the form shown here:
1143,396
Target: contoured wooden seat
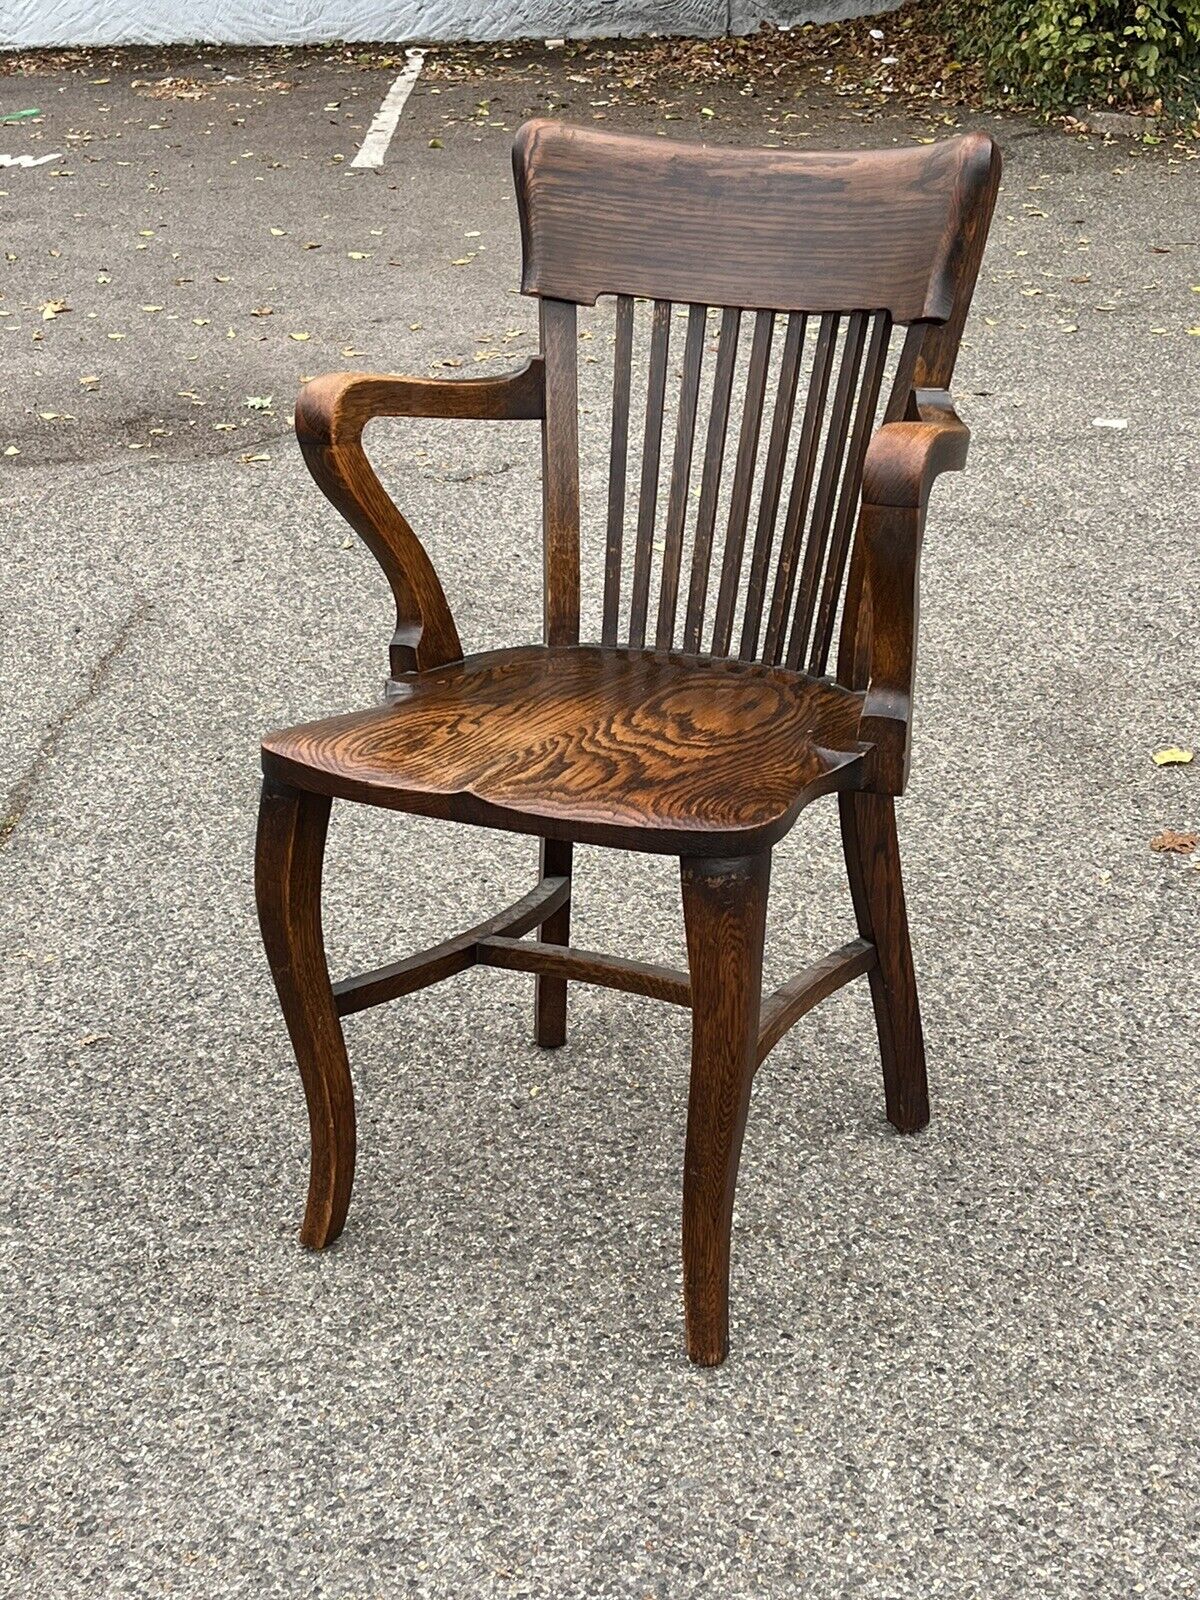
706,716
680,754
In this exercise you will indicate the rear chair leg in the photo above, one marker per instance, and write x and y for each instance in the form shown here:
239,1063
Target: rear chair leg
550,994
725,912
291,845
877,889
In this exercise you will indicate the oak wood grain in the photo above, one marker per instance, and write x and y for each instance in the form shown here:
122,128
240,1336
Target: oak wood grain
696,755
710,476
743,481
550,990
618,468
780,230
560,474
877,891
292,826
794,999
456,954
639,600
587,966
681,470
643,751
725,914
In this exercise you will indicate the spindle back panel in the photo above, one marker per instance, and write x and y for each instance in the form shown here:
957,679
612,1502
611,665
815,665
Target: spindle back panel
771,307
736,448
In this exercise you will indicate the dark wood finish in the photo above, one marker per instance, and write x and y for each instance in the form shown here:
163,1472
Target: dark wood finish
903,460
802,480
743,481
586,966
292,826
827,480
725,914
550,991
681,471
560,474
854,642
331,413
847,506
666,753
692,754
366,989
780,230
710,478
660,339
877,890
781,428
965,240
618,468
796,998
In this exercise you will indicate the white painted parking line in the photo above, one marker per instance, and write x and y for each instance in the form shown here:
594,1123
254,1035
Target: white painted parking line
379,134
28,161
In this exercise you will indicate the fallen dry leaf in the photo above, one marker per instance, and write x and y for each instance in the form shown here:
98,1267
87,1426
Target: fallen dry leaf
1172,757
54,308
300,336
1181,844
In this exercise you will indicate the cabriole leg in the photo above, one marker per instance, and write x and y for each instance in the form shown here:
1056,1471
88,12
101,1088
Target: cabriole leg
877,889
292,824
725,909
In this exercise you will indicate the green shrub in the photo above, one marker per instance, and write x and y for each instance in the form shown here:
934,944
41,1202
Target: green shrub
1063,53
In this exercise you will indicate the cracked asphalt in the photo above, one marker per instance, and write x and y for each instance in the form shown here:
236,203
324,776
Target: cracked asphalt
963,1364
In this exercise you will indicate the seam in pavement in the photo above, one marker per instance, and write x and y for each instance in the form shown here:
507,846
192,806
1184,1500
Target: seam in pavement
22,791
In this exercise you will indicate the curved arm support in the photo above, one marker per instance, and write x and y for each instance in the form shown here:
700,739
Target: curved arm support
904,458
903,461
331,412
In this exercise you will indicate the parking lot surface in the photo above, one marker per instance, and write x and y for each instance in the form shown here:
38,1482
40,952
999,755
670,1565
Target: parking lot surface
964,1364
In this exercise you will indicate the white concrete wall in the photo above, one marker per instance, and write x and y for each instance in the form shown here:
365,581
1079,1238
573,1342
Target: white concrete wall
37,23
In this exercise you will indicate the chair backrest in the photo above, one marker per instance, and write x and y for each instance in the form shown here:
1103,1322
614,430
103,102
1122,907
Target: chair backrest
816,257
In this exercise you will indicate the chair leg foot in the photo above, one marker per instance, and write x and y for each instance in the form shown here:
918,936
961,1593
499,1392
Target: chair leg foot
292,825
550,994
725,907
877,889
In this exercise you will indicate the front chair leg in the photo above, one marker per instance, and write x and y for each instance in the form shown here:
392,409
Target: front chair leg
877,889
550,994
292,824
725,912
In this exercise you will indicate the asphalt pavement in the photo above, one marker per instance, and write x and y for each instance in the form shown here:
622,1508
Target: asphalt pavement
964,1364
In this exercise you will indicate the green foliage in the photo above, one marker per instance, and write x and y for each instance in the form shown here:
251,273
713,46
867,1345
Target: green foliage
1063,53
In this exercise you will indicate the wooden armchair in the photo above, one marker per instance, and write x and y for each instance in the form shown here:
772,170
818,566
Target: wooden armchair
702,722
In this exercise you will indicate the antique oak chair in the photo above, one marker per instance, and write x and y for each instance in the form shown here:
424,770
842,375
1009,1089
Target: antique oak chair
700,725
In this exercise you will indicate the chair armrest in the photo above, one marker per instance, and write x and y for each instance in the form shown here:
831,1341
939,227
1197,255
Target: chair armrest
903,461
331,413
904,458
